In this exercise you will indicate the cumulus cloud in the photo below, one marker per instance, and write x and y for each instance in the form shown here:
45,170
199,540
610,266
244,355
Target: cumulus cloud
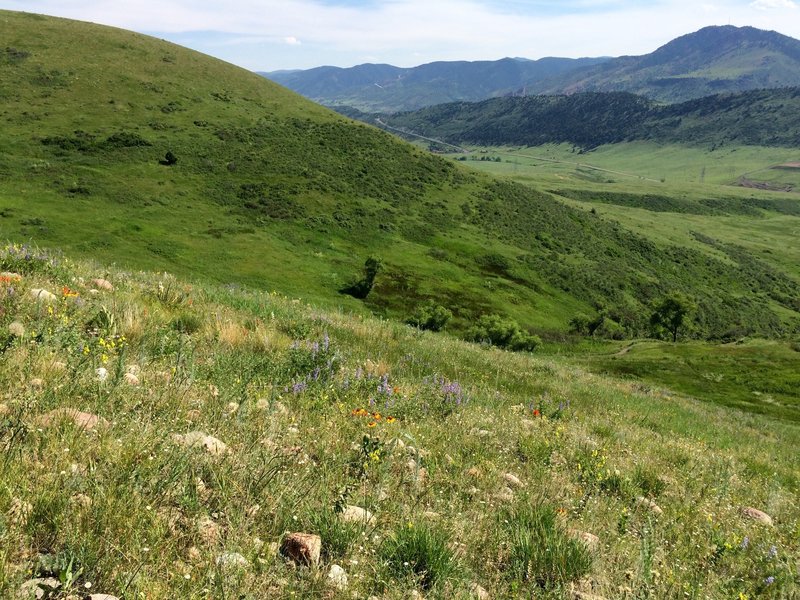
772,4
292,41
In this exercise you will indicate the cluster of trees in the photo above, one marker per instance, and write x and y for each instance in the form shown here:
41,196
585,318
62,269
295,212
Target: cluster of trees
670,317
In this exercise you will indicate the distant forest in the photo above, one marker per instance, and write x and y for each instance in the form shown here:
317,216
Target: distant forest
587,120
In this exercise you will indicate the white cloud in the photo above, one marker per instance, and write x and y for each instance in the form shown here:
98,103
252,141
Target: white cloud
408,32
772,4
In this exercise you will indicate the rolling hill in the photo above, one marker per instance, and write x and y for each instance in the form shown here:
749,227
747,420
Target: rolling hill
175,161
713,60
591,119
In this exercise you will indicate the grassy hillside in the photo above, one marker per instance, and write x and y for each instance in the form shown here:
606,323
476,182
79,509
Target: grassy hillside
174,161
164,439
588,120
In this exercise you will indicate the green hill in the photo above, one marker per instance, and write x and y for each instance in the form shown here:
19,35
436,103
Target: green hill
591,119
158,157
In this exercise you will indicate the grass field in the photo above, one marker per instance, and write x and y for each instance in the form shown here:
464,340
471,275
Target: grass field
164,439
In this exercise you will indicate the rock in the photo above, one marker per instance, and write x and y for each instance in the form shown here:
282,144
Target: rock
505,495
42,295
756,515
16,329
208,530
103,597
590,540
478,592
103,284
131,379
578,595
431,515
81,501
193,554
513,480
302,548
37,382
337,577
356,514
41,587
650,505
200,439
230,561
102,373
82,420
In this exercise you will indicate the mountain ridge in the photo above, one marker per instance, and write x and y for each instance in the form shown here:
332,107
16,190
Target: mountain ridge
712,60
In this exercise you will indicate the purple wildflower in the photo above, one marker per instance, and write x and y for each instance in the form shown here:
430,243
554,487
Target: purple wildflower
745,543
769,580
773,551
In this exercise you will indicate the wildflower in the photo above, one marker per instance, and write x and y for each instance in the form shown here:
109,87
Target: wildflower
773,552
745,543
102,374
769,580
371,424
390,420
536,412
376,416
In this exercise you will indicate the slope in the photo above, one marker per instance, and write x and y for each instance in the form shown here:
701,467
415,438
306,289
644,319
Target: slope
164,440
153,156
591,119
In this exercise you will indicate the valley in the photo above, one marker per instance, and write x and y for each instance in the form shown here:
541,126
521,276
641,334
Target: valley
230,317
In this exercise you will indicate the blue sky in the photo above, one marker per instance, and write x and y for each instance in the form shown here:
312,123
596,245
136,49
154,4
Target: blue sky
268,35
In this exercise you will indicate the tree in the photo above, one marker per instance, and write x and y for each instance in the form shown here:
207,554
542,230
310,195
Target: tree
672,314
362,288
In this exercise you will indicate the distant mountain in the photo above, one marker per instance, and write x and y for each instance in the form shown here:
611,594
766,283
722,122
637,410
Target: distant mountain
590,119
710,61
385,88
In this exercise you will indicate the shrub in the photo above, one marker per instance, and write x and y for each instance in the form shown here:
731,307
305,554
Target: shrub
503,332
539,551
419,552
430,316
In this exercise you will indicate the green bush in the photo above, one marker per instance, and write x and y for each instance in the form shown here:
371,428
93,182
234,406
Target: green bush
539,551
430,316
503,332
419,552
